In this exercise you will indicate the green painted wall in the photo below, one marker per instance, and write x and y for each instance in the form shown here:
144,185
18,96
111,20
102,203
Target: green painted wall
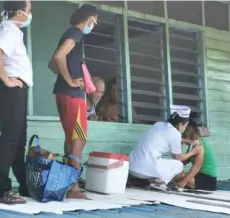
217,50
107,137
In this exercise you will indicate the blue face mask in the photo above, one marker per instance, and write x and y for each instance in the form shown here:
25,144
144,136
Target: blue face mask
88,29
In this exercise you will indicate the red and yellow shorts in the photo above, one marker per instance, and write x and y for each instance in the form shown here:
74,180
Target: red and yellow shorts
73,116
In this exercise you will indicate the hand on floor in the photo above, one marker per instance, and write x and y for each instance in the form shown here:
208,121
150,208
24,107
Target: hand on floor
182,183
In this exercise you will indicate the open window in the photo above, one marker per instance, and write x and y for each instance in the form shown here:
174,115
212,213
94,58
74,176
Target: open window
103,55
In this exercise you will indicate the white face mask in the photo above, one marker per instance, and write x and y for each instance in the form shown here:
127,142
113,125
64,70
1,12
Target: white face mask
27,22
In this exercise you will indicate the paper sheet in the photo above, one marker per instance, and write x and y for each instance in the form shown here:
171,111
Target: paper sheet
98,202
179,201
131,197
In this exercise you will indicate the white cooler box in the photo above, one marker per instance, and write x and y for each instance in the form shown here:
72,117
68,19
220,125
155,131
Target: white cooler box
107,173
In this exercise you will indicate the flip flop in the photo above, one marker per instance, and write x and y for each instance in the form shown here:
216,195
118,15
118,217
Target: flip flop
159,186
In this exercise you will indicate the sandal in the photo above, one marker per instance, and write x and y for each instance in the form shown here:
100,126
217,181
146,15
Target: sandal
11,197
161,186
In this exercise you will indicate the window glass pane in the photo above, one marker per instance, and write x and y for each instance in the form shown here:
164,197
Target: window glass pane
187,11
147,72
147,7
110,3
216,15
187,78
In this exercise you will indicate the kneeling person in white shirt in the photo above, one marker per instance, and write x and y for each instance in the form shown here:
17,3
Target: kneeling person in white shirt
146,159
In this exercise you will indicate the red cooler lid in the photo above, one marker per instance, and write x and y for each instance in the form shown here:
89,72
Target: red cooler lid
109,156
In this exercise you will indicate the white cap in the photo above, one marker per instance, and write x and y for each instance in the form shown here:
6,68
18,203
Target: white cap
182,111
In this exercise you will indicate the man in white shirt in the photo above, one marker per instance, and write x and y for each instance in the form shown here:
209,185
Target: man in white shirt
146,159
16,77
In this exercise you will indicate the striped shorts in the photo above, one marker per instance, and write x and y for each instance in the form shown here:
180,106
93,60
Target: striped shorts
73,116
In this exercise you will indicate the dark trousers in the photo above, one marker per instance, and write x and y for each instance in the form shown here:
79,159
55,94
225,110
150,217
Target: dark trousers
13,128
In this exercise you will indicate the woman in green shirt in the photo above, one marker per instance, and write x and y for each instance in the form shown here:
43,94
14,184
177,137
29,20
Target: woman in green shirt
203,173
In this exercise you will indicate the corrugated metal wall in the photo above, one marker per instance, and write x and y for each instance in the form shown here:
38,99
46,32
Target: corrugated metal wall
217,52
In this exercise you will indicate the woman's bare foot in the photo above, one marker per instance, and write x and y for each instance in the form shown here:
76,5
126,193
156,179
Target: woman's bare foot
77,194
